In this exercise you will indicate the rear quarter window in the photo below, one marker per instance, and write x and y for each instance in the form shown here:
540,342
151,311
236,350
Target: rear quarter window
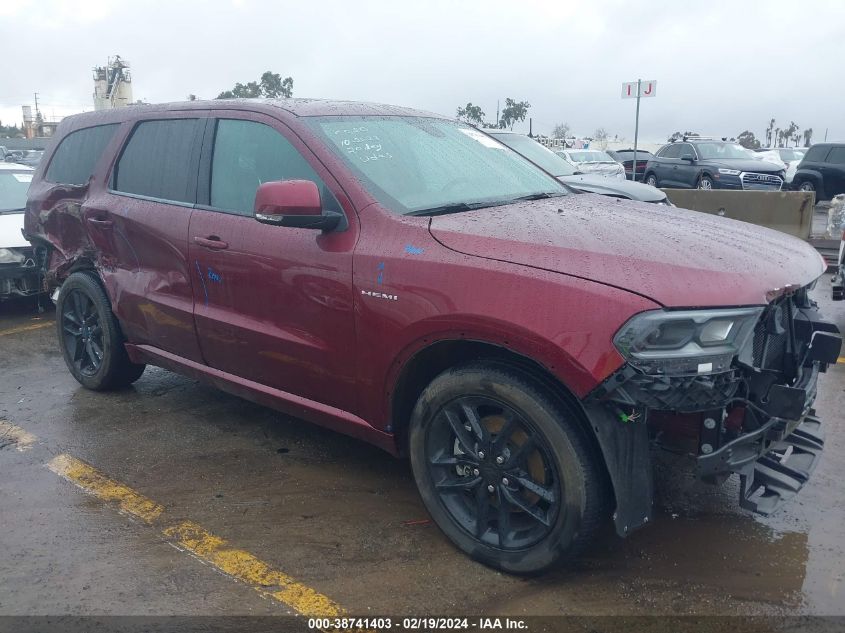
159,161
837,156
76,156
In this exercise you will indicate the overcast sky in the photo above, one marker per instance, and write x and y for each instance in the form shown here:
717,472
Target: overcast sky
721,67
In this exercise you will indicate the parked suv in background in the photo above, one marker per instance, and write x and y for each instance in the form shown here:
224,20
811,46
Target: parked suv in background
708,164
822,170
412,282
626,158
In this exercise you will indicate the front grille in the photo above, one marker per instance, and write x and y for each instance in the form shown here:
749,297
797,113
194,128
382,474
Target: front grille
751,180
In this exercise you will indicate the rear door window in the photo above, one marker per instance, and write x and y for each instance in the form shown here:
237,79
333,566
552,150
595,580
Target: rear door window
77,154
248,154
160,160
837,156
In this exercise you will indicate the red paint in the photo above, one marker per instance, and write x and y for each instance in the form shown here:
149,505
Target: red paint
290,197
321,325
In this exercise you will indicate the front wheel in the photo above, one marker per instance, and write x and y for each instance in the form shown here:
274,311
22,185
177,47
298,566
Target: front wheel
706,183
651,180
505,469
90,336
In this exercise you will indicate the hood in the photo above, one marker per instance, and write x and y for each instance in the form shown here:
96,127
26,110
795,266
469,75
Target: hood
676,257
614,187
746,164
10,230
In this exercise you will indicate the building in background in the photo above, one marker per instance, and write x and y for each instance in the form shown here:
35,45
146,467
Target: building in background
112,84
37,126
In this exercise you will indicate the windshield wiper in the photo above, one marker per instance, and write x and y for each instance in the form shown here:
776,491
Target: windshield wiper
538,196
455,207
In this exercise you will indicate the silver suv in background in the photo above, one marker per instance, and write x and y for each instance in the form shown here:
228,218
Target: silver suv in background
567,174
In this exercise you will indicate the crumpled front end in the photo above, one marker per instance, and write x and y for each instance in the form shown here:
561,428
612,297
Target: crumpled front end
752,416
21,272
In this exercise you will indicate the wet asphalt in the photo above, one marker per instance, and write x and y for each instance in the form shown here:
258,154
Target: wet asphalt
344,518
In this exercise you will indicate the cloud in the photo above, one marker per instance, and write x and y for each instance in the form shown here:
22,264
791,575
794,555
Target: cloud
720,71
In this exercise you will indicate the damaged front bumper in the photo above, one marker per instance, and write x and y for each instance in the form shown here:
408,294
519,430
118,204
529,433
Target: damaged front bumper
21,280
756,420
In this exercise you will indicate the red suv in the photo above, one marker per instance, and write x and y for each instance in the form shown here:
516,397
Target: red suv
410,281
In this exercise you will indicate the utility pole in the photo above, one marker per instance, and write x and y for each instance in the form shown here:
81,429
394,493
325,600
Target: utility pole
530,127
636,132
497,113
36,106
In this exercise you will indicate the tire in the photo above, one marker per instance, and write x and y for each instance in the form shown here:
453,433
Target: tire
705,183
807,185
651,180
505,469
90,337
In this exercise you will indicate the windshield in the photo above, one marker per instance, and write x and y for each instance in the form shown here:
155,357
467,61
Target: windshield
718,151
536,153
592,156
789,154
13,188
415,164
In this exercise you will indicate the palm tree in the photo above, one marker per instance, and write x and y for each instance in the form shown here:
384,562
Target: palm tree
769,131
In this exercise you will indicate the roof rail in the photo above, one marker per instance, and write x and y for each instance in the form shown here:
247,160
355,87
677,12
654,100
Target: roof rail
696,137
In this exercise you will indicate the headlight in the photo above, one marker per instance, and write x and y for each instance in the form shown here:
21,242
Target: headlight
686,342
729,172
10,256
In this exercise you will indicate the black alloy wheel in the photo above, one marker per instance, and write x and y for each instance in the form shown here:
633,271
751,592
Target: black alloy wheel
494,472
83,332
504,466
90,337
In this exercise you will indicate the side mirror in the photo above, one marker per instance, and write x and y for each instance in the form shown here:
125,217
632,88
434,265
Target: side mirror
688,157
293,203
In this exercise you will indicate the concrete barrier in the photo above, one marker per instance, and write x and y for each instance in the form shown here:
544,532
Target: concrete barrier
787,211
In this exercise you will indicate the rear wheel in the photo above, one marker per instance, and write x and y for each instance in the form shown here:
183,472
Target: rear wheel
504,469
90,337
651,180
807,185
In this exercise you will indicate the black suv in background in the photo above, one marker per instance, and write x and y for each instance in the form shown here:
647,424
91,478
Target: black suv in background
701,163
822,171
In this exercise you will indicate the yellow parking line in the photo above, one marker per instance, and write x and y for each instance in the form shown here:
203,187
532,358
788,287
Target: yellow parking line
840,360
22,440
191,537
94,482
247,568
26,328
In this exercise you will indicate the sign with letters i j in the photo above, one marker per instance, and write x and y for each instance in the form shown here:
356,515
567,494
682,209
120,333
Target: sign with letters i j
648,88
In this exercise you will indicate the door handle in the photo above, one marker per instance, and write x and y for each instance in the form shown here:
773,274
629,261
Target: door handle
212,242
102,224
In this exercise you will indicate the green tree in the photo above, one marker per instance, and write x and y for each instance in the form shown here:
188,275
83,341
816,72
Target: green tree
471,114
748,140
770,133
271,85
677,136
513,112
561,130
808,136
